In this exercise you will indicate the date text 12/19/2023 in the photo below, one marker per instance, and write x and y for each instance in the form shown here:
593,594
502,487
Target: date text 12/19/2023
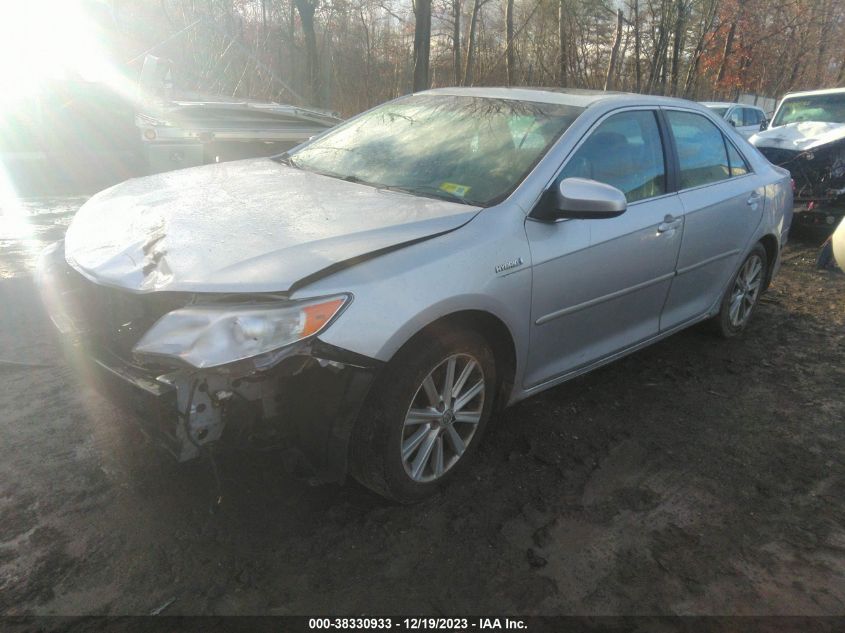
417,624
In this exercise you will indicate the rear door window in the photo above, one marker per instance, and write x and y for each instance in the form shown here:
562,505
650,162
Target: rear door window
702,156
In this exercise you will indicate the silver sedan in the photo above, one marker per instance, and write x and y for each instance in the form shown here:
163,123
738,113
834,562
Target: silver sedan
371,298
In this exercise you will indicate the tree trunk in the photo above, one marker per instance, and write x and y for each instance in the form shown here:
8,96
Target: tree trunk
827,22
677,44
726,53
840,78
656,61
637,66
562,43
473,24
306,10
368,68
456,40
729,40
664,64
614,52
509,56
422,44
659,54
692,71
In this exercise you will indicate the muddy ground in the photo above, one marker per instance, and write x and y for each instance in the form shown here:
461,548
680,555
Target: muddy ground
697,476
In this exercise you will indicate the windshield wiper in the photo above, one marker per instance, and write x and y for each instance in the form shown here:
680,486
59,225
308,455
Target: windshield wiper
356,180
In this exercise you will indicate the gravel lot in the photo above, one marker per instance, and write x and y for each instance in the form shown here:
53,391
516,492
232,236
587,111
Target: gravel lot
697,476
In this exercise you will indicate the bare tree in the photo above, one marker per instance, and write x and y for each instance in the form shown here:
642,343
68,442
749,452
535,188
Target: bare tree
456,41
614,52
473,31
350,54
563,60
422,44
638,73
729,40
677,44
306,9
708,19
509,56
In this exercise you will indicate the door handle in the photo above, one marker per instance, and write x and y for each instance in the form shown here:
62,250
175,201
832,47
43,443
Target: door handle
754,198
669,223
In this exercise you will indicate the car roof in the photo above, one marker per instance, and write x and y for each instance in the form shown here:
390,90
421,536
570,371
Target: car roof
728,104
563,96
808,93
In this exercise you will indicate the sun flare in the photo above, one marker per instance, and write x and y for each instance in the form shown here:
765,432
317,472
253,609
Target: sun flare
46,40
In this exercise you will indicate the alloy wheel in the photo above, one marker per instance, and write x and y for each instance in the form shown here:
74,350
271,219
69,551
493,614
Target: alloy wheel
745,291
443,417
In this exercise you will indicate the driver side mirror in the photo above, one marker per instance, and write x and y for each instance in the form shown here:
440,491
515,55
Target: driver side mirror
583,199
764,124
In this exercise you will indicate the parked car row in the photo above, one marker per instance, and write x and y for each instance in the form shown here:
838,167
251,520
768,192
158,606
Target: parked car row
200,129
807,137
372,297
747,119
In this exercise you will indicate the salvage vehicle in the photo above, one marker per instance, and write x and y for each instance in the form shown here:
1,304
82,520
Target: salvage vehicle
190,133
747,119
807,137
193,130
370,298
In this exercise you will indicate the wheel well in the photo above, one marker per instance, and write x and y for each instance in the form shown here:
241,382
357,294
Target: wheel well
770,243
497,335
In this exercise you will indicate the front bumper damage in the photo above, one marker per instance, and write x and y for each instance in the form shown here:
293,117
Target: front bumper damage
819,177
306,404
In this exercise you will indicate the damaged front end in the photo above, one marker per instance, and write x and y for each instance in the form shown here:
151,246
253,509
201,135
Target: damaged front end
203,369
818,174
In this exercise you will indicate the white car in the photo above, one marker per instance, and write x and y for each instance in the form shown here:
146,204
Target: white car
747,119
807,137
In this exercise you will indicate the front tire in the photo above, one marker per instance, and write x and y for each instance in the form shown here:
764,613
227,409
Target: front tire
742,294
426,414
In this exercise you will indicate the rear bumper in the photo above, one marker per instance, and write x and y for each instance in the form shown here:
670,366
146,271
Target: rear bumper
819,218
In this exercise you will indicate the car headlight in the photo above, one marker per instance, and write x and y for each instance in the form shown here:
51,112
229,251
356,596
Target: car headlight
212,335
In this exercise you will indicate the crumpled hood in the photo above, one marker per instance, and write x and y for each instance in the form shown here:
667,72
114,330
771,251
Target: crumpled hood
799,136
246,226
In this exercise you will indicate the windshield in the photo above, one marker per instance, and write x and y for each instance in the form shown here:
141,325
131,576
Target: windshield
829,108
467,149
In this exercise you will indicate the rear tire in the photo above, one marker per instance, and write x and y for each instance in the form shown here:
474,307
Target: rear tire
414,433
742,294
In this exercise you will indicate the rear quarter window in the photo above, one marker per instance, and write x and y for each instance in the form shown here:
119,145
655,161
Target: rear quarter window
739,167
